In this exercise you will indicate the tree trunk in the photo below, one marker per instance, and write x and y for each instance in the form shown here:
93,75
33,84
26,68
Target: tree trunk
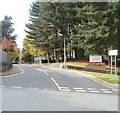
48,57
57,56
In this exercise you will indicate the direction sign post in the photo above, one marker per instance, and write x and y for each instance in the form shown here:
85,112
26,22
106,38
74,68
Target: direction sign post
113,53
111,65
115,66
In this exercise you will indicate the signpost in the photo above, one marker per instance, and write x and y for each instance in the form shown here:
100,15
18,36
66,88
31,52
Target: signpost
95,58
113,53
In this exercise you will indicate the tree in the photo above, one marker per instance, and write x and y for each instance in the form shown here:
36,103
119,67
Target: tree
7,28
48,21
36,52
39,29
8,38
96,33
14,55
6,45
91,28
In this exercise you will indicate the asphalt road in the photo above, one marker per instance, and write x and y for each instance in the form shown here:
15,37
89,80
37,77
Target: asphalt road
43,89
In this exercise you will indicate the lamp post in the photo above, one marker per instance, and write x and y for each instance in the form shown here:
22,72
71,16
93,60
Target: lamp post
64,54
64,50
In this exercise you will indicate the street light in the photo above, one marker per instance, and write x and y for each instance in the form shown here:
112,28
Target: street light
64,54
64,50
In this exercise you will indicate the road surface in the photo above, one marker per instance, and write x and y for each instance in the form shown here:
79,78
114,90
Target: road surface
43,89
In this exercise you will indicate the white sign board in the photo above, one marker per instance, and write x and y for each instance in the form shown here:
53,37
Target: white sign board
113,52
95,58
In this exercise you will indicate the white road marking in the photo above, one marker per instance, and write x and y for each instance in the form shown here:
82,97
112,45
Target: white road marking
38,69
104,89
94,91
64,87
33,88
80,90
107,92
60,88
44,66
77,88
2,86
45,72
48,89
56,84
65,90
41,70
91,88
115,90
52,68
15,87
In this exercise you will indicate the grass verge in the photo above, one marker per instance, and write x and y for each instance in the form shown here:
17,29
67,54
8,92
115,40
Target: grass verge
114,79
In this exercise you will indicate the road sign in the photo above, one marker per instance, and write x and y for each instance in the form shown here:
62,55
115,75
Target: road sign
113,52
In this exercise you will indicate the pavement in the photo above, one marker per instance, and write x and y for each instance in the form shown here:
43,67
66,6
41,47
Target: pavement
13,71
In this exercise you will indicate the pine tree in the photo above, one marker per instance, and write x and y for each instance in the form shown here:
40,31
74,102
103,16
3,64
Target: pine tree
7,29
97,30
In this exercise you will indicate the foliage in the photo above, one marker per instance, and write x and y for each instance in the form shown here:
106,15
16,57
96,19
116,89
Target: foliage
6,44
97,32
7,29
14,55
36,52
27,57
90,27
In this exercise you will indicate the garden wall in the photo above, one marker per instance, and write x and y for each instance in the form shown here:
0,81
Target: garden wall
5,63
90,69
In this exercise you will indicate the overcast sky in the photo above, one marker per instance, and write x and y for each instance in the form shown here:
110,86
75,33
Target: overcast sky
19,10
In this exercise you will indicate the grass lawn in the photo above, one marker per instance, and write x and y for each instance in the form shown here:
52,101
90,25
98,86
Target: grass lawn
106,77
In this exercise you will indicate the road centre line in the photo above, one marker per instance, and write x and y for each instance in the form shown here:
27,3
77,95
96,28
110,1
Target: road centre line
80,90
115,90
65,90
38,69
33,88
64,87
104,89
94,91
41,70
56,84
45,72
91,88
77,88
15,87
107,92
2,86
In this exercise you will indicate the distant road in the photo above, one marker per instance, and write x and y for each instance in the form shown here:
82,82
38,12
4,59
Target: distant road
49,89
